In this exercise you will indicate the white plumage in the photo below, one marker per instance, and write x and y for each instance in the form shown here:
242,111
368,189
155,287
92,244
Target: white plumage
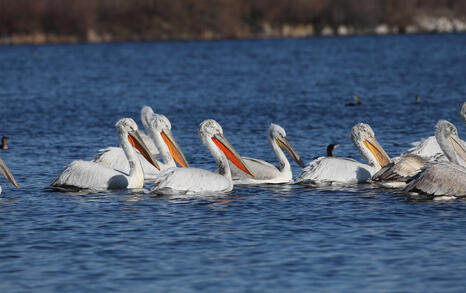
90,175
159,128
426,148
263,171
194,181
334,170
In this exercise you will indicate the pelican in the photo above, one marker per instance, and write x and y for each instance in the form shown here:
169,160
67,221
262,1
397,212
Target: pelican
159,129
194,181
90,175
115,158
265,172
444,180
396,173
335,170
6,172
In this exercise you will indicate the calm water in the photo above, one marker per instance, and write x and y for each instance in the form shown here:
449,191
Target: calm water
59,103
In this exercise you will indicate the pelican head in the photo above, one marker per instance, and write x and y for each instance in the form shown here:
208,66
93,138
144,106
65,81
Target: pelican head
463,111
278,135
161,125
448,140
210,131
363,138
6,172
127,128
146,116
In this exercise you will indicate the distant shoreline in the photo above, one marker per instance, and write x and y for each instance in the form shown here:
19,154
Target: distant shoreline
423,25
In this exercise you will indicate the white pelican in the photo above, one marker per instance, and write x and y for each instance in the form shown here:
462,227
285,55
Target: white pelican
115,158
194,181
265,172
335,170
90,175
444,180
159,129
6,172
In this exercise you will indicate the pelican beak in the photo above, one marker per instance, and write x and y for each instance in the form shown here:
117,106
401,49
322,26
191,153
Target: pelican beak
225,146
174,148
374,147
458,146
6,172
136,141
285,144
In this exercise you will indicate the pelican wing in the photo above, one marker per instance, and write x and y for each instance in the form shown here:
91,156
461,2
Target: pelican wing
427,148
115,158
334,170
189,181
400,171
89,175
261,169
439,179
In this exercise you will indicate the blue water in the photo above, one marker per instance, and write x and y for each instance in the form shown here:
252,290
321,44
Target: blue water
59,103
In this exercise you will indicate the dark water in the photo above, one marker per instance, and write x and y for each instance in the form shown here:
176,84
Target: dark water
59,103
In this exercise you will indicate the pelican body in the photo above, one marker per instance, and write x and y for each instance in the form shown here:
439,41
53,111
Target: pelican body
194,181
335,170
396,173
263,171
7,174
90,175
159,128
443,180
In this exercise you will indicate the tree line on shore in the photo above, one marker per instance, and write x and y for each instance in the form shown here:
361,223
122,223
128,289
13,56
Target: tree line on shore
40,21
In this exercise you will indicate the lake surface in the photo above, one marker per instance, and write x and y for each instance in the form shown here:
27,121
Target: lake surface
59,103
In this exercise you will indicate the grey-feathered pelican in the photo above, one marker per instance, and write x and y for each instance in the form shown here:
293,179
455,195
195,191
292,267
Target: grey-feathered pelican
443,180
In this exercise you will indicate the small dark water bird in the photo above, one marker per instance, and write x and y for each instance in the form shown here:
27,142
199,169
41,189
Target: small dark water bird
358,102
418,99
330,149
4,146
